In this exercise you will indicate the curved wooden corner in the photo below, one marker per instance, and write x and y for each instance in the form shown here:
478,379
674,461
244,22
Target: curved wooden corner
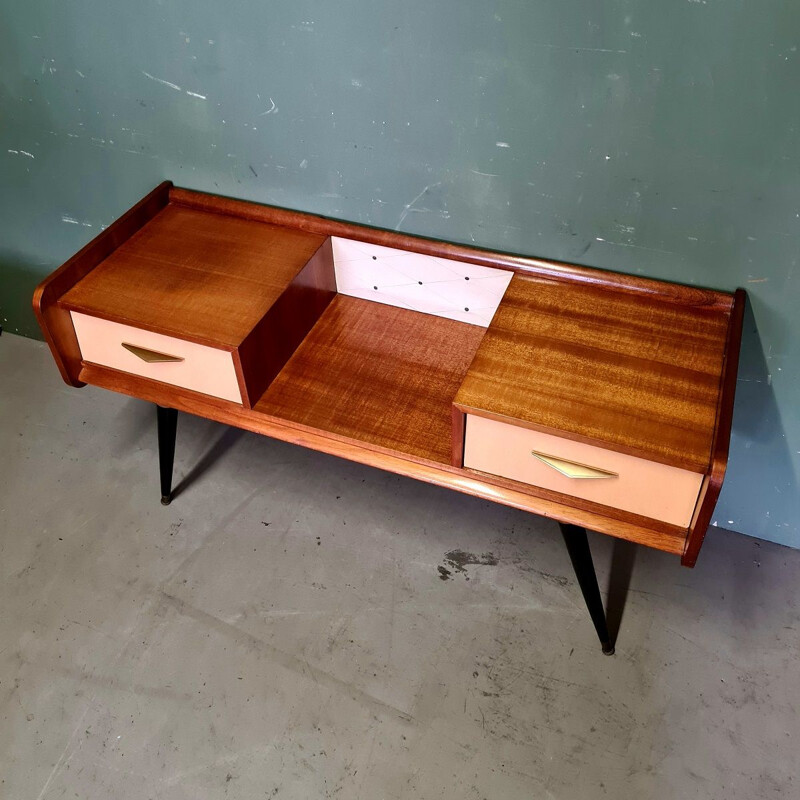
55,321
722,435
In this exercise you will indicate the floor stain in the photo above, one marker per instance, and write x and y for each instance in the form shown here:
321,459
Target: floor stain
458,561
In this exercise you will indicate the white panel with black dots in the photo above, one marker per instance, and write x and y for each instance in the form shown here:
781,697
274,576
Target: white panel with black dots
439,286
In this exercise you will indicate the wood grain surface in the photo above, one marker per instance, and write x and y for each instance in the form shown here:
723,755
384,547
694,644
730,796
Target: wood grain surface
630,373
378,374
204,277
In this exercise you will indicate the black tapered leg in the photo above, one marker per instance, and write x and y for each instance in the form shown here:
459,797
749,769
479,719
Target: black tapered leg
167,428
581,556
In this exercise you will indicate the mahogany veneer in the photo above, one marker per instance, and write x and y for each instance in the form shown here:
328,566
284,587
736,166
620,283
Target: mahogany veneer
377,374
637,375
243,286
194,274
629,365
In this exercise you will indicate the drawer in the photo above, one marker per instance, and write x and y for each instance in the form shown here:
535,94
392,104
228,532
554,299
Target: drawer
624,482
154,355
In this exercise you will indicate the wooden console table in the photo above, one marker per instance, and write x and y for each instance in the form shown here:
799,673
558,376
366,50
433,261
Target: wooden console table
601,400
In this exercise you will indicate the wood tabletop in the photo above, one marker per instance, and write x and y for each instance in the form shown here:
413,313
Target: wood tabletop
199,275
377,374
634,374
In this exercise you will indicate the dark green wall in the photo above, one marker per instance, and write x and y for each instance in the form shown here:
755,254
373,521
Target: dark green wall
658,138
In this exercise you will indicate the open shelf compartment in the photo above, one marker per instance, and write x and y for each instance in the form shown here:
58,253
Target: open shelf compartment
378,374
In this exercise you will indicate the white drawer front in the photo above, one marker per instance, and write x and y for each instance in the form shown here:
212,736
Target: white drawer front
201,369
591,473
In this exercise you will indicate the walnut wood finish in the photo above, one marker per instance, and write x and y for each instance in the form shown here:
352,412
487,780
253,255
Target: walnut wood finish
377,374
628,373
440,474
200,276
273,340
722,434
55,321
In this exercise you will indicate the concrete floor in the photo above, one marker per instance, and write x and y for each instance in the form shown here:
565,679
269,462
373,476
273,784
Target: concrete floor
282,630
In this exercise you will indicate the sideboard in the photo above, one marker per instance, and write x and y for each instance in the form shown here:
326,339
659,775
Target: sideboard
597,399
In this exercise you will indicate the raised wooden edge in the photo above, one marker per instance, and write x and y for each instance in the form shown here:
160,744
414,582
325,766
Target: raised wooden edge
55,321
709,493
430,472
271,343
552,270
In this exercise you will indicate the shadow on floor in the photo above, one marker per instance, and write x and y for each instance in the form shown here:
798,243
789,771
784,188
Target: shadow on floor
623,557
215,452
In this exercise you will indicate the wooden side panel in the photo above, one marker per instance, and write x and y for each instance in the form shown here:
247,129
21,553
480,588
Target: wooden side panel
722,435
55,321
271,343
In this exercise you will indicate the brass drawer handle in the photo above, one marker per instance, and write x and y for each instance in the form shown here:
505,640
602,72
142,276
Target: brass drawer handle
572,469
150,356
